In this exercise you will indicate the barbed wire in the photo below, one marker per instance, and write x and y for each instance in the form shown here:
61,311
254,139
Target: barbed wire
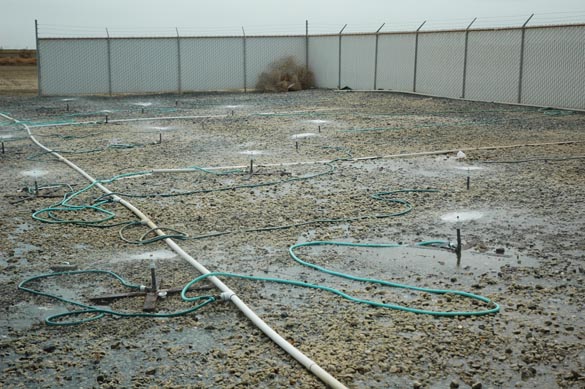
546,18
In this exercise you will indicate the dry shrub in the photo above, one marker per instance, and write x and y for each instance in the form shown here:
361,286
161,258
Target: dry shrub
285,75
18,61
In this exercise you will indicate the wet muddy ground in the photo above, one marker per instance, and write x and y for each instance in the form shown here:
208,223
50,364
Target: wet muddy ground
318,160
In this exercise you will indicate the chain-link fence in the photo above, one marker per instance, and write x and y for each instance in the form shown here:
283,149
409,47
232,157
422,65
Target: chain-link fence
532,65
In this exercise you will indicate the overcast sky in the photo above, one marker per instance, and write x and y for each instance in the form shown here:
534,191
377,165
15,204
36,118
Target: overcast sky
221,17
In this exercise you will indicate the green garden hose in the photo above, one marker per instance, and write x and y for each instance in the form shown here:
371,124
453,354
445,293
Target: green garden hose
98,312
494,308
380,196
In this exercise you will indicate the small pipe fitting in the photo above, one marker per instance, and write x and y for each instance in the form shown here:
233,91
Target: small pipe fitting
227,296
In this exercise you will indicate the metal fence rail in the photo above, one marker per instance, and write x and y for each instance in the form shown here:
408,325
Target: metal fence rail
537,65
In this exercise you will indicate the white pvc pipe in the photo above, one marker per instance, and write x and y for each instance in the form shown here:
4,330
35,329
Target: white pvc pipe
227,293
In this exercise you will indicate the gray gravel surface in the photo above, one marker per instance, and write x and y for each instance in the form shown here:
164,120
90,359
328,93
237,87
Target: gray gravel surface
526,200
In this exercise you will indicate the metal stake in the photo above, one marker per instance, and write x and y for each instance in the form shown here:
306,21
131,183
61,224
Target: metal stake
416,56
297,146
468,179
160,138
244,59
2,147
109,62
376,57
458,248
465,58
67,107
339,64
319,129
153,275
306,45
251,166
39,83
179,81
521,70
106,119
36,189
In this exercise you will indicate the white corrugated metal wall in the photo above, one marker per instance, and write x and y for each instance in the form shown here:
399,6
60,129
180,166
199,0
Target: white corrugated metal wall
554,67
395,61
212,64
493,63
323,60
357,61
439,68
144,65
73,66
552,72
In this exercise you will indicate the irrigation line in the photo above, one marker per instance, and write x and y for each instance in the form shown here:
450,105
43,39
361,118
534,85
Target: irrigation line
358,159
545,159
59,124
227,294
458,98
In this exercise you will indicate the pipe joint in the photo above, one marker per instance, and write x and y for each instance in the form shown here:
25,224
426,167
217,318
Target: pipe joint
227,296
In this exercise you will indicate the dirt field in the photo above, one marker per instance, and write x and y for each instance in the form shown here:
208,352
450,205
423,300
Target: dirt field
18,80
324,163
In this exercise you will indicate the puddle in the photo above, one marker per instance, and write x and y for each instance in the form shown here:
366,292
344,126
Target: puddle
434,261
303,135
106,111
34,173
252,152
199,339
128,355
6,136
469,168
68,99
462,216
142,104
408,265
318,121
162,128
159,254
232,106
405,260
24,248
23,316
23,227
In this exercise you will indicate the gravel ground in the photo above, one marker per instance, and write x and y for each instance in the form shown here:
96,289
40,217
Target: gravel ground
525,201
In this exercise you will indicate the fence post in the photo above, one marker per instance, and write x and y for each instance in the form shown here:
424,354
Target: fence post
465,58
179,81
306,45
376,56
109,63
244,41
521,70
39,88
416,56
339,63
